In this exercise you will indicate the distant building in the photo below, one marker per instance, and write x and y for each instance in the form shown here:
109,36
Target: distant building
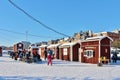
40,43
113,35
53,42
77,36
82,35
117,31
61,40
26,44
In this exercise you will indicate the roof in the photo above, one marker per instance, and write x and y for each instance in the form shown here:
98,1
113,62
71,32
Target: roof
43,46
53,45
68,44
33,47
98,38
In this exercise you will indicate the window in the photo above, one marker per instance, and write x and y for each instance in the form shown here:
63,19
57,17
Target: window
20,45
88,53
65,51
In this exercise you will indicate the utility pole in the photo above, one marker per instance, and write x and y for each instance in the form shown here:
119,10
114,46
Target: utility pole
26,36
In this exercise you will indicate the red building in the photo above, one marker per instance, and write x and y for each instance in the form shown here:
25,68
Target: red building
0,51
33,49
95,48
18,47
41,51
55,49
69,51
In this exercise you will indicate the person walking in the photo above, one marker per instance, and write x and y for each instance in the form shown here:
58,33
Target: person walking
45,53
49,57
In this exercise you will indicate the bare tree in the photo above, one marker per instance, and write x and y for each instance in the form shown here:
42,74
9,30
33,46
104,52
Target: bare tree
116,44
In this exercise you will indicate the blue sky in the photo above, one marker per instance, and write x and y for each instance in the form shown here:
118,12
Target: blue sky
65,16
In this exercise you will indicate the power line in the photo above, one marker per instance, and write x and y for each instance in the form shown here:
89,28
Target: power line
36,20
5,39
25,33
12,31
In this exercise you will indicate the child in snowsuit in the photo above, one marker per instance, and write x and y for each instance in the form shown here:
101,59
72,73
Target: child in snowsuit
49,57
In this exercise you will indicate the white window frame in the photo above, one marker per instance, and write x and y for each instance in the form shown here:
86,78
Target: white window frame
88,53
65,52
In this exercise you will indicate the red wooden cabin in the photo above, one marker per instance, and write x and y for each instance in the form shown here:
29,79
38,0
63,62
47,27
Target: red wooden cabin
69,51
33,49
41,51
18,47
95,48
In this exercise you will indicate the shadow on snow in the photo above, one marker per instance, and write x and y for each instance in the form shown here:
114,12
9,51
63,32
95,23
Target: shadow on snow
35,78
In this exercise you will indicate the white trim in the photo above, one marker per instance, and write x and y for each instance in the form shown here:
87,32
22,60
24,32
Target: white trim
71,53
99,52
79,54
110,50
40,51
67,44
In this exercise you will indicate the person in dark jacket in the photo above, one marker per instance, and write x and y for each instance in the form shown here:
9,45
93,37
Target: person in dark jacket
45,54
114,57
28,57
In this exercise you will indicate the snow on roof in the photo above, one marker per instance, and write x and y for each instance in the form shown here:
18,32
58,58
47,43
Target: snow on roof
33,47
94,38
68,44
43,46
53,45
97,38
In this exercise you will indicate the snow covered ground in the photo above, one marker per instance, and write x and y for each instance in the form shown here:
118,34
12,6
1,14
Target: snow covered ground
61,70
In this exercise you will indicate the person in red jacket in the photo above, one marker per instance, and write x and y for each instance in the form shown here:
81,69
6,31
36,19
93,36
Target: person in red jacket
49,57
